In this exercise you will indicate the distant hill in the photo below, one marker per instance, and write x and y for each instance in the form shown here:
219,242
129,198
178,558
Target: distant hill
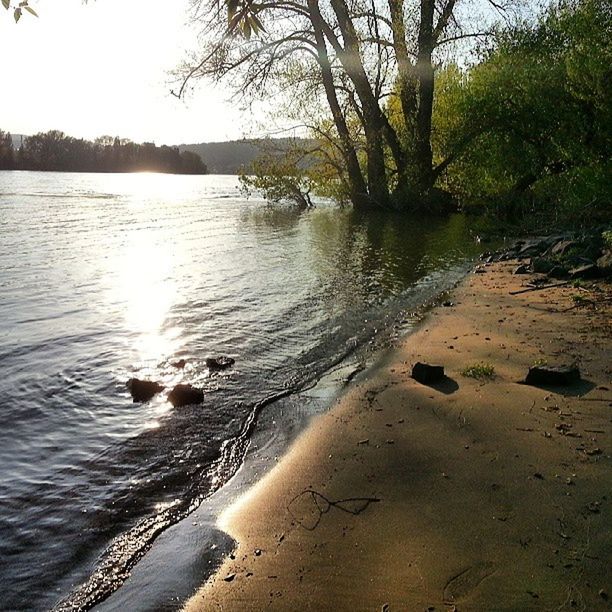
230,157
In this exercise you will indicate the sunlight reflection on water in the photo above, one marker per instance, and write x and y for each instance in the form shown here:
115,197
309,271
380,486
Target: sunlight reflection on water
147,287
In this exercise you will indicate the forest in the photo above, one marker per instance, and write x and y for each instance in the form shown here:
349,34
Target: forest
55,151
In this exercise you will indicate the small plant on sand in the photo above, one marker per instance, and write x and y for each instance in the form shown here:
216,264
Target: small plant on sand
538,363
581,300
479,370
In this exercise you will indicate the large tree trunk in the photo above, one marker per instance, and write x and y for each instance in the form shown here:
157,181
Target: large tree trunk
374,123
357,188
425,76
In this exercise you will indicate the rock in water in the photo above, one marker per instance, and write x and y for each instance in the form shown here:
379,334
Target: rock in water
143,390
550,375
183,395
180,364
219,363
427,374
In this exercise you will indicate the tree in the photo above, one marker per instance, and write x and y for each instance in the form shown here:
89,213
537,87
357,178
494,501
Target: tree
284,175
538,108
354,56
7,155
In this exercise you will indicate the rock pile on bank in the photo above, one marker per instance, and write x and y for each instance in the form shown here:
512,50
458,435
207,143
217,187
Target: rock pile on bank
576,255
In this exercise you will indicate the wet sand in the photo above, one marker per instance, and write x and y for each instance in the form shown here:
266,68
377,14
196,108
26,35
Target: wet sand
471,495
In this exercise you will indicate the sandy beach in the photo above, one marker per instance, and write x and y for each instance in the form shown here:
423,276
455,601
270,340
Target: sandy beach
477,494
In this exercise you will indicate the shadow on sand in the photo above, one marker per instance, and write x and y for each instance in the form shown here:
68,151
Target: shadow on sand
447,385
577,389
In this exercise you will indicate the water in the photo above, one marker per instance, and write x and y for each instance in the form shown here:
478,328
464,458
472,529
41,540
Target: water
105,277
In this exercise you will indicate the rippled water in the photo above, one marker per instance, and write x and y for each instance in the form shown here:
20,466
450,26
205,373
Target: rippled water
104,277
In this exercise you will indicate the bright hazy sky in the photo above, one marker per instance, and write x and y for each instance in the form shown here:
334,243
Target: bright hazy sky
102,68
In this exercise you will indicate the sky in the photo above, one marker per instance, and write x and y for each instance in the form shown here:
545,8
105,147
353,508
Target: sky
103,68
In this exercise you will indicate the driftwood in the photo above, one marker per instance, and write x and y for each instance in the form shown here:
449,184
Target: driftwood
540,287
322,505
595,399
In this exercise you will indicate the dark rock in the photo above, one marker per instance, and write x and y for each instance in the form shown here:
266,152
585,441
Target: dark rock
561,247
427,374
533,247
180,364
587,271
219,363
183,395
550,375
522,269
541,265
143,390
558,272
448,304
604,263
582,261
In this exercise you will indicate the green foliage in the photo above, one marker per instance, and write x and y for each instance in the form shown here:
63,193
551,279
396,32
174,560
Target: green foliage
280,177
18,9
479,371
293,170
537,114
607,239
579,299
242,17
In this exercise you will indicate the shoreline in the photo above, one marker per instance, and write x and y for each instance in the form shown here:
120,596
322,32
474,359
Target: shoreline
473,495
195,542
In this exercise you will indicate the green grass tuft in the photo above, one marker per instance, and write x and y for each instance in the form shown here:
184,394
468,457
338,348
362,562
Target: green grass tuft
580,300
479,370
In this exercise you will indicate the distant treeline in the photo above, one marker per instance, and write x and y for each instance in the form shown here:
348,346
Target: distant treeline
57,152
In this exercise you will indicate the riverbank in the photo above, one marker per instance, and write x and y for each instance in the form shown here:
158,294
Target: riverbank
477,494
